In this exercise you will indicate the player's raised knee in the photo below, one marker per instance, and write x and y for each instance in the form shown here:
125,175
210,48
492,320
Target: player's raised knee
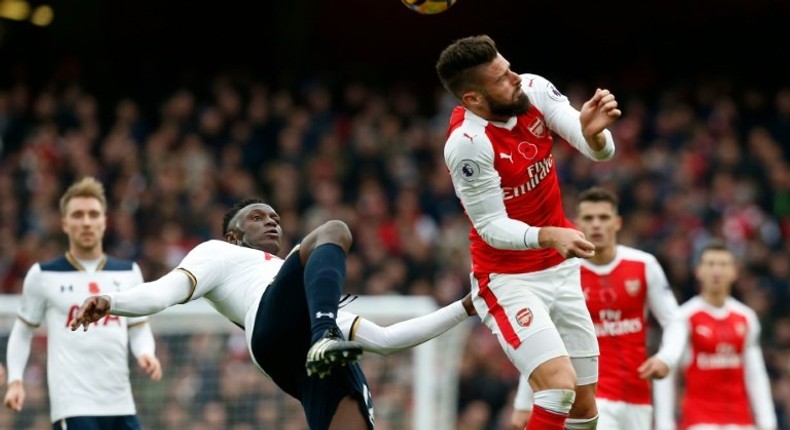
334,231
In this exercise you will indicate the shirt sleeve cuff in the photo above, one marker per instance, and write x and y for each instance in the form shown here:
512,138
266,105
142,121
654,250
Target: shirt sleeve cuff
531,240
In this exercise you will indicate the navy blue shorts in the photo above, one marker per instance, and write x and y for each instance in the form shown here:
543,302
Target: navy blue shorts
116,422
280,340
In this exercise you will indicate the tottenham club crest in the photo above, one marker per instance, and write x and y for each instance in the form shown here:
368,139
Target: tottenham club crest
524,317
469,170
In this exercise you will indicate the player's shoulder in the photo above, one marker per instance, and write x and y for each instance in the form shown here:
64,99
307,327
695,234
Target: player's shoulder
57,264
691,306
214,245
631,253
468,141
539,89
467,127
741,308
114,264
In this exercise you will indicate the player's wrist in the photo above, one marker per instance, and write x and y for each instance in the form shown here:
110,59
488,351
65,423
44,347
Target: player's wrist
532,237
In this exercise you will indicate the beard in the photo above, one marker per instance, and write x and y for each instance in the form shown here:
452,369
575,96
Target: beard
515,108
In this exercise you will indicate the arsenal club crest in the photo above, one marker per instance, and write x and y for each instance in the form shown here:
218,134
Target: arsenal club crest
524,317
538,128
632,286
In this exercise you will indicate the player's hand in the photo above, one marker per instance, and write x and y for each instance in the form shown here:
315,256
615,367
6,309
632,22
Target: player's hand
520,418
151,366
93,309
467,302
15,396
653,368
569,242
597,114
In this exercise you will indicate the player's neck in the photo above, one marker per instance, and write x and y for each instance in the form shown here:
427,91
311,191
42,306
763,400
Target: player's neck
488,116
604,255
94,253
715,299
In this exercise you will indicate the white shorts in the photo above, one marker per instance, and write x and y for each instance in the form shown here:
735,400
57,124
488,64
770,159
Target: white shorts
614,415
544,312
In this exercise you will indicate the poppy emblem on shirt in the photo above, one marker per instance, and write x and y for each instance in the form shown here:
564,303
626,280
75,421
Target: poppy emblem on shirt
94,288
538,128
469,170
524,317
527,150
632,286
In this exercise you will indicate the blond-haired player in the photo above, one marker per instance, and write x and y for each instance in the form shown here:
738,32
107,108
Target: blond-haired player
87,373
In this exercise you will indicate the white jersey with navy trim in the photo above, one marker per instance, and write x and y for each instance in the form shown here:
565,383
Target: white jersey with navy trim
87,372
234,278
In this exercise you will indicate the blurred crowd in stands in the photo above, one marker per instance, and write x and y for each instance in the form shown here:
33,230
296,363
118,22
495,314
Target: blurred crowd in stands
694,161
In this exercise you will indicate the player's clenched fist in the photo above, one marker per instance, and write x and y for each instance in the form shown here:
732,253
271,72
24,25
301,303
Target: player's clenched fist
92,309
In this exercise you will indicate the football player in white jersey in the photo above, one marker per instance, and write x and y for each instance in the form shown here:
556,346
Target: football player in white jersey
272,300
620,284
87,373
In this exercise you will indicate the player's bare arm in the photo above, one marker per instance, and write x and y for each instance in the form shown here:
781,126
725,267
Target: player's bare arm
597,114
151,366
568,242
653,368
93,309
468,306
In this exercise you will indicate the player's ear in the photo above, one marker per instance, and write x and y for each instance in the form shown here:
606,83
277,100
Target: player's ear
471,98
231,237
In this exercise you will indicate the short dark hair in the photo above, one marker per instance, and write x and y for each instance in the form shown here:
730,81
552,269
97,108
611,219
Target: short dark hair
228,217
714,245
457,61
599,194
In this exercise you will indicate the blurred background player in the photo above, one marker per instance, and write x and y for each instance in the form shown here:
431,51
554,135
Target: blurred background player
265,294
620,283
87,373
525,278
726,385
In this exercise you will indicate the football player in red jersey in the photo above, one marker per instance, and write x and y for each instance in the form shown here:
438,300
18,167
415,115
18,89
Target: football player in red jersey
525,274
726,383
620,284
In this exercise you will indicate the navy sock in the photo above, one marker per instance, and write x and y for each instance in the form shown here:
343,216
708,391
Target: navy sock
324,278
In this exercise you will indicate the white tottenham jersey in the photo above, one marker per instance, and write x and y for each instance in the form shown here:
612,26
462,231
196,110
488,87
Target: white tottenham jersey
87,371
233,279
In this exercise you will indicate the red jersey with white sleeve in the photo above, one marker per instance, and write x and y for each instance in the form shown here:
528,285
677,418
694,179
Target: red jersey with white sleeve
618,295
504,175
725,378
